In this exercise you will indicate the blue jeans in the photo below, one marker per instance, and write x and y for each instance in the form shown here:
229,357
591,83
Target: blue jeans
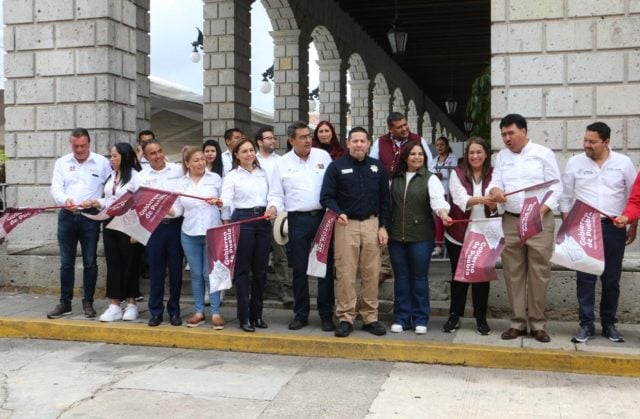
410,262
74,228
164,251
302,230
614,243
195,249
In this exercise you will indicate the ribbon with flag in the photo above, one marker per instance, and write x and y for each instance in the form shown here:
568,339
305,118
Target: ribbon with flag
319,254
530,219
14,216
222,245
481,249
579,244
118,207
145,214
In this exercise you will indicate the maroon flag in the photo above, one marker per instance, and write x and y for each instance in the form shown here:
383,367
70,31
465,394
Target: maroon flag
148,209
222,243
579,243
119,207
530,218
482,247
319,253
14,216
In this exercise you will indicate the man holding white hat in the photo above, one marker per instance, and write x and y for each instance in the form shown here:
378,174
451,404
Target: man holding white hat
300,172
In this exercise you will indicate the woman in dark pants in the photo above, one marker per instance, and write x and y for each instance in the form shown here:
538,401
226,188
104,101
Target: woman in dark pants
467,184
121,252
246,188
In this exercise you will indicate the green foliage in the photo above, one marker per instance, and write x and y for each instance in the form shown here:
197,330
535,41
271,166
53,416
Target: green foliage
3,159
479,105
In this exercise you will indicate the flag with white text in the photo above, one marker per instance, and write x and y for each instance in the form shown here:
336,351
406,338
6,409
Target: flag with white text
319,254
481,249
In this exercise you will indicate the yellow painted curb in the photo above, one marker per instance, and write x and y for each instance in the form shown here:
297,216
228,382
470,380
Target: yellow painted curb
330,347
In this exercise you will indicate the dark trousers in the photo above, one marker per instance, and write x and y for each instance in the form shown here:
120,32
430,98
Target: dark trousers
123,264
614,244
459,290
74,228
164,251
252,259
302,230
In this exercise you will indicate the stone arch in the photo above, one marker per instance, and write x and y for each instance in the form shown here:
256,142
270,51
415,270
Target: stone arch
427,128
381,103
398,104
332,79
281,15
412,116
438,132
359,83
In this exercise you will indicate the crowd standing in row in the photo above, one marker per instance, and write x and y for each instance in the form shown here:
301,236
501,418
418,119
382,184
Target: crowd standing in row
391,194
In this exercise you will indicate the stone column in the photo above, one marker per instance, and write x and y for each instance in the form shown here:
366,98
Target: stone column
143,65
563,65
380,113
332,94
291,82
227,67
360,104
68,64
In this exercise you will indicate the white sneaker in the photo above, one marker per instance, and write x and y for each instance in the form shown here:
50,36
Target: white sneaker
130,313
111,314
421,330
397,328
437,251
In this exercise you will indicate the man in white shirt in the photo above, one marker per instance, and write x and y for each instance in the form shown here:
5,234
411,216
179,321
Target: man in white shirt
268,159
143,137
300,173
163,248
603,179
231,137
78,178
527,268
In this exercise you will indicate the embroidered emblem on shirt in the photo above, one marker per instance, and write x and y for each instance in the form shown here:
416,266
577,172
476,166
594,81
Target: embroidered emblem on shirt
320,165
72,168
374,168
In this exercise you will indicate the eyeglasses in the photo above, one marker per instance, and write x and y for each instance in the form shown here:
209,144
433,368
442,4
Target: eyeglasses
268,138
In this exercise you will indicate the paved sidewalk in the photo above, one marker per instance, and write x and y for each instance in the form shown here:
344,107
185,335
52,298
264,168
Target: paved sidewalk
23,315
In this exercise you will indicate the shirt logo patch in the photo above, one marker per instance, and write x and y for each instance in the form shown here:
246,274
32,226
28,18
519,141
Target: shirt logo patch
374,168
320,165
345,171
72,168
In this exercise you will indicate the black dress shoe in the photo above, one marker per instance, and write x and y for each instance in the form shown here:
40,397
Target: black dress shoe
344,329
297,324
155,321
247,327
259,323
175,320
327,324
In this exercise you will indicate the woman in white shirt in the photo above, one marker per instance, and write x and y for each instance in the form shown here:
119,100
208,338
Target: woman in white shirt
441,166
122,253
467,185
247,189
199,215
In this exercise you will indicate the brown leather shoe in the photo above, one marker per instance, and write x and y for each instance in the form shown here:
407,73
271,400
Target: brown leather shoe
513,333
217,322
541,336
195,320
87,308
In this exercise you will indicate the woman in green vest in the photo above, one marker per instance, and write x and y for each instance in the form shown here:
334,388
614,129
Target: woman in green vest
416,195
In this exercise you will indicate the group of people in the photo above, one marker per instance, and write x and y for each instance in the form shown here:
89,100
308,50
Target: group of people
394,202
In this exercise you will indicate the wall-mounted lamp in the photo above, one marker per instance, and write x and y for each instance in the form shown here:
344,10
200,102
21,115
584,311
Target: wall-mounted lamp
265,87
314,96
195,54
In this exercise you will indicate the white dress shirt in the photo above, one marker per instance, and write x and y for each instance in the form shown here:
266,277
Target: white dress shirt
268,163
605,188
165,179
443,169
79,181
534,164
199,216
301,180
375,150
242,189
113,192
460,197
227,162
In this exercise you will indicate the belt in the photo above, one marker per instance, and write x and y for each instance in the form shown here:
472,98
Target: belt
171,220
513,214
254,210
361,217
312,213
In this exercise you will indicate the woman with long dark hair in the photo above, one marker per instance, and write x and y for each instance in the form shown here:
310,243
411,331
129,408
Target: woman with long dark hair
247,189
416,194
213,156
121,252
325,137
467,185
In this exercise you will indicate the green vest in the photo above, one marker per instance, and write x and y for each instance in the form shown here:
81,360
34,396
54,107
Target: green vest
411,214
